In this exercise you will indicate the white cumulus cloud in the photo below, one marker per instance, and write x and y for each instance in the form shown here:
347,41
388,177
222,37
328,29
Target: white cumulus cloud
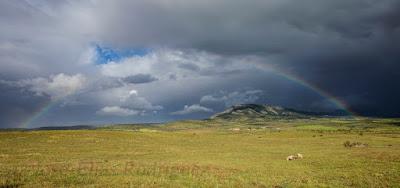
56,86
195,108
163,63
123,96
117,111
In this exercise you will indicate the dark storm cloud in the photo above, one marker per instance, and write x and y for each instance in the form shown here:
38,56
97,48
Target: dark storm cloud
246,26
17,105
196,48
189,66
38,38
348,48
140,79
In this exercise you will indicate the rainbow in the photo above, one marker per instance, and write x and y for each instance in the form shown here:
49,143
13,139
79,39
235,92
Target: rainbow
334,100
289,76
296,79
39,113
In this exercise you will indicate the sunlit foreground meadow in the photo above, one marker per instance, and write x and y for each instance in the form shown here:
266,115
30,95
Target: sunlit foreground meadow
207,154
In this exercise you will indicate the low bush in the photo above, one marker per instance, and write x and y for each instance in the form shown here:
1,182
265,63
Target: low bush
349,144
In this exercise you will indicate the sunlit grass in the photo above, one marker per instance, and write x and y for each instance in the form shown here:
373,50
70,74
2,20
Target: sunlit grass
206,154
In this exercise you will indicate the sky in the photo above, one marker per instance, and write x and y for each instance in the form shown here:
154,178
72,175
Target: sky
73,62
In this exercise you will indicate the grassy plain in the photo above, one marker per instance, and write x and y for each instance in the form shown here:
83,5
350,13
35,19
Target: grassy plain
206,154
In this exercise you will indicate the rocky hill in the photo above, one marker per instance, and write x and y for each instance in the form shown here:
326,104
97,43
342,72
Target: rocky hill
262,111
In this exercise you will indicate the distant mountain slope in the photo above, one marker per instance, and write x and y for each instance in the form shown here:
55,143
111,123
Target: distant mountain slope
266,111
74,127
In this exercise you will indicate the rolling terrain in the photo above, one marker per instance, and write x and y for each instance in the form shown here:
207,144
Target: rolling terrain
245,146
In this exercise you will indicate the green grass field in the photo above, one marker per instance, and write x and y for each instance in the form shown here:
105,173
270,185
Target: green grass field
206,154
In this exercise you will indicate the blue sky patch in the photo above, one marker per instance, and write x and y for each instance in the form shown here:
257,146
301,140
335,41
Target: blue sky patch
107,54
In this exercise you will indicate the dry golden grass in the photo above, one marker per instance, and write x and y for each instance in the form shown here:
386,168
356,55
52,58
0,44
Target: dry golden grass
189,155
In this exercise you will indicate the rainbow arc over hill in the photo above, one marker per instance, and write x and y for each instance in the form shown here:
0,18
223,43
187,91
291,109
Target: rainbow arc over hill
289,76
334,100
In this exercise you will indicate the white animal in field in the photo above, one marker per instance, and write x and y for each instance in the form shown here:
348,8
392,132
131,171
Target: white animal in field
236,129
290,157
299,155
294,157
